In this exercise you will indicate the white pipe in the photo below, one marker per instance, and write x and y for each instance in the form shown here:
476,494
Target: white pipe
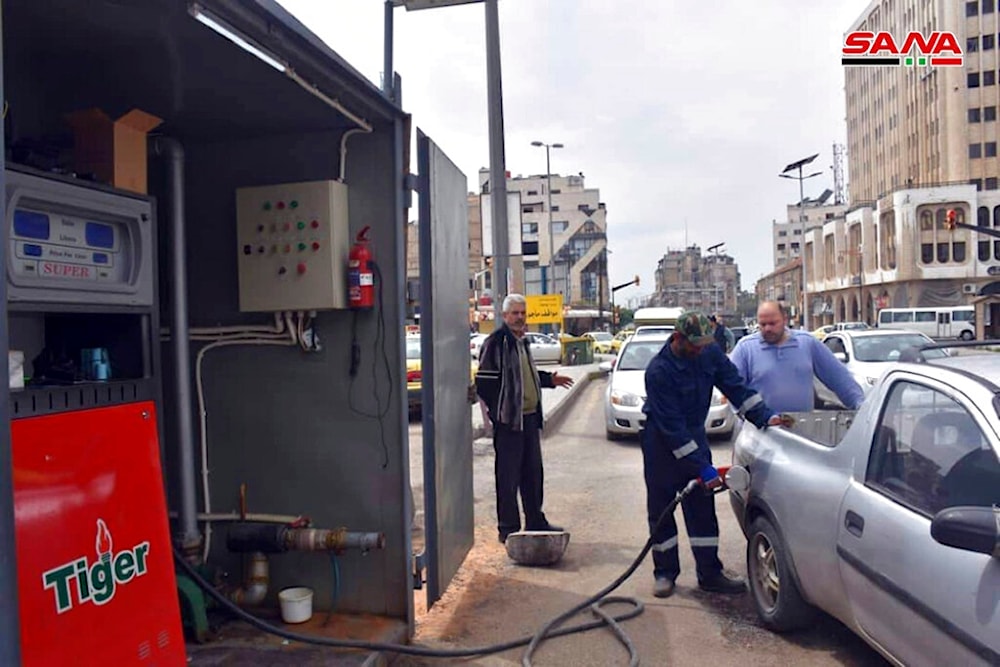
357,120
221,517
277,328
204,419
343,150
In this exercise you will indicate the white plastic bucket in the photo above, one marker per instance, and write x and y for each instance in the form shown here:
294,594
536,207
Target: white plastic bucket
296,604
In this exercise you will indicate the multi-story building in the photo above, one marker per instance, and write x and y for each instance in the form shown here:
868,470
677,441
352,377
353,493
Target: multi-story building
579,237
921,141
786,237
688,279
920,126
784,284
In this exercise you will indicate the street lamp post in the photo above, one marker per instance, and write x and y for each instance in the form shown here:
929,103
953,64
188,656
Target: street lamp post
797,166
550,266
494,94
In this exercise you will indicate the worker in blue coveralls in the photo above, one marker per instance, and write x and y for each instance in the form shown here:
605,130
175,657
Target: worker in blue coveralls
675,450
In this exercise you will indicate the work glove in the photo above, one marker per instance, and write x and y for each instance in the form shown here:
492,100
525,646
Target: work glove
710,477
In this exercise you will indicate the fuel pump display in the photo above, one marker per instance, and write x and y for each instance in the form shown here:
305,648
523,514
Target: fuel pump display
96,583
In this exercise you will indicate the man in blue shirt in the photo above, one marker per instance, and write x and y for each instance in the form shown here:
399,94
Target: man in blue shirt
679,382
780,363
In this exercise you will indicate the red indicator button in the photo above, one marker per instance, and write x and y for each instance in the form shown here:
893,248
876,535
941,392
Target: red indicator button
287,226
281,205
288,248
301,268
315,224
315,245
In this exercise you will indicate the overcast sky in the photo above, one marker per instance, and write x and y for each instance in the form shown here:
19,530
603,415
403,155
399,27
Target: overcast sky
677,110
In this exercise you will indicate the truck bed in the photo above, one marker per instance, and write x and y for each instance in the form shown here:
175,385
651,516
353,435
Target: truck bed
826,427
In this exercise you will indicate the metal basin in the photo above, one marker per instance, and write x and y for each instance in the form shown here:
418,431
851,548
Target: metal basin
537,547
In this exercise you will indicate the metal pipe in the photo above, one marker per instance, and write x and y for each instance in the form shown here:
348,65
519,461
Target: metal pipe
10,631
387,51
254,590
188,536
325,539
498,170
223,517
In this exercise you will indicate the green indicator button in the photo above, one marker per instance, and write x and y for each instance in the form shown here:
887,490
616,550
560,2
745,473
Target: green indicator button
301,225
302,246
267,206
294,204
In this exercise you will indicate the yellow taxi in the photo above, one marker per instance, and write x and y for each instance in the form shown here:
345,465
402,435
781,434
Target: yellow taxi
619,340
414,375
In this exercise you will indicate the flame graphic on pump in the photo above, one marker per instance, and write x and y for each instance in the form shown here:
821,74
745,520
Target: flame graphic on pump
103,543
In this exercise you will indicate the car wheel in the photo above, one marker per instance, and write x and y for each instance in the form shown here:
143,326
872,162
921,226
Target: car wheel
966,335
775,595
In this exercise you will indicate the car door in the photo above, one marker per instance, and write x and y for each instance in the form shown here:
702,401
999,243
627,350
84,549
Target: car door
836,344
922,602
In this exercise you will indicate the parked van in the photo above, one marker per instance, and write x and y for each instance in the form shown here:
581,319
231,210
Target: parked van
936,322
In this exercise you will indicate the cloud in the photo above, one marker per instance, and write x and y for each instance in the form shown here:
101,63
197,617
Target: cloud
676,110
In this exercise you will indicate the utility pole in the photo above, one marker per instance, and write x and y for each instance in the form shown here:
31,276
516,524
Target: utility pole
797,166
498,169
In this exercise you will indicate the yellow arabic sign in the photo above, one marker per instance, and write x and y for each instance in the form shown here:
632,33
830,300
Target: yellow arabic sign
545,308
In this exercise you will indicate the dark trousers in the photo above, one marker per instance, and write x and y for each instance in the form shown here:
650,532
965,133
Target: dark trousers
664,478
518,467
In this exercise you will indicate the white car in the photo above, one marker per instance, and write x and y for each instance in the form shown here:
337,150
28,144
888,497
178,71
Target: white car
476,342
868,353
544,349
626,392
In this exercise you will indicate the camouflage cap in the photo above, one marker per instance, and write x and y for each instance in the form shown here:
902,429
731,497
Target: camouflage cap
693,325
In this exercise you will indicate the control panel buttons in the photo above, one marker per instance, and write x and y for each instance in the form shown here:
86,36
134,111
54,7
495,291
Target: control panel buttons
281,206
247,250
301,268
294,204
260,229
302,246
267,206
315,246
282,271
300,224
287,226
315,224
261,250
287,248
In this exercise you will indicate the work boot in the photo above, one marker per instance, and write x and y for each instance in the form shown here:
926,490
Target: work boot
722,583
663,587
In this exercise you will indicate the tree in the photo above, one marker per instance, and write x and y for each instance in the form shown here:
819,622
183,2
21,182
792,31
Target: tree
625,316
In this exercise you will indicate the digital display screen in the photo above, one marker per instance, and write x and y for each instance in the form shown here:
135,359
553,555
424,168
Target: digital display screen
100,236
31,225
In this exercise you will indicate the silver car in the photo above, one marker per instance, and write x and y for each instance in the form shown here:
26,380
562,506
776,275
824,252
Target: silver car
886,518
867,353
544,348
626,392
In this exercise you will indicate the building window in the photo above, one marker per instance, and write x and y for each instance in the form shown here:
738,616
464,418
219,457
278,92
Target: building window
989,77
926,253
558,191
988,41
958,252
782,233
795,247
781,247
972,80
532,193
987,6
983,220
529,228
560,225
971,44
972,8
555,208
978,182
975,116
989,114
991,151
991,183
975,151
942,253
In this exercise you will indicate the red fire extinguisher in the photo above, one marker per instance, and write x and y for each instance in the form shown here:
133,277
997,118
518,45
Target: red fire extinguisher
360,278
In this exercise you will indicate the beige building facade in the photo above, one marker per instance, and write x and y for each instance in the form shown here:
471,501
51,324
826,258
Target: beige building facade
786,237
912,127
688,279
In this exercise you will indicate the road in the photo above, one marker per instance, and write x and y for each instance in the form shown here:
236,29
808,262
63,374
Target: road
595,489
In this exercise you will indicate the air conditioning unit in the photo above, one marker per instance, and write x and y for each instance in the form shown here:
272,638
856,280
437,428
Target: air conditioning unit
970,288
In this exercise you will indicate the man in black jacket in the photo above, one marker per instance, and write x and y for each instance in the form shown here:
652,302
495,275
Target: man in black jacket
510,385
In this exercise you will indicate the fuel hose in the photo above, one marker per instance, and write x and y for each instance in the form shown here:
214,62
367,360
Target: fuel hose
595,603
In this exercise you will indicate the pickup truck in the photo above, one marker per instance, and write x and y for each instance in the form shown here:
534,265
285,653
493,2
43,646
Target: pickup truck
886,518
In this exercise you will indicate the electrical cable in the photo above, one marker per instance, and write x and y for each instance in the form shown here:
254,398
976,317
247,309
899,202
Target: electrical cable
551,629
378,344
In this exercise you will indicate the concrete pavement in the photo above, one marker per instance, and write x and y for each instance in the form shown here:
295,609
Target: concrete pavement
554,401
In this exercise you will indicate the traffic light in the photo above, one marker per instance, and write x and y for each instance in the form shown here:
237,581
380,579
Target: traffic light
489,262
951,219
637,281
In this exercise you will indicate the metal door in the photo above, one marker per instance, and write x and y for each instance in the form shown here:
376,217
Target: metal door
446,365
